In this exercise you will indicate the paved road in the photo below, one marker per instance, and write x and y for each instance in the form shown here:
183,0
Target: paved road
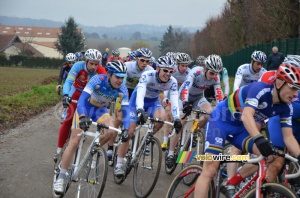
26,162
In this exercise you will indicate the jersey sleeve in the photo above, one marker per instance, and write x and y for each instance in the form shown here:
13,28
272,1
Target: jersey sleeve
141,91
225,81
218,90
70,79
187,84
238,79
174,99
125,106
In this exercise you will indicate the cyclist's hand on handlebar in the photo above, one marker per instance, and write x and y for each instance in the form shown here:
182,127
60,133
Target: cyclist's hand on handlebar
263,145
187,108
84,123
165,102
124,135
177,125
66,101
58,88
142,116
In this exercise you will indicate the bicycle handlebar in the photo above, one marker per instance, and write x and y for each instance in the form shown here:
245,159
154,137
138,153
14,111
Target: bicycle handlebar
195,112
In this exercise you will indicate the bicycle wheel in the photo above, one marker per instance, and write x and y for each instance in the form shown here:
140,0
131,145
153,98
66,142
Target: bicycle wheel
168,170
93,174
272,190
179,189
147,167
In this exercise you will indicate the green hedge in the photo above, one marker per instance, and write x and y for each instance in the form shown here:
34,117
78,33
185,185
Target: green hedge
31,62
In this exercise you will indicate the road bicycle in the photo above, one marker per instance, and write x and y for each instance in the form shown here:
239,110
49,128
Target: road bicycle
254,187
144,155
90,171
194,141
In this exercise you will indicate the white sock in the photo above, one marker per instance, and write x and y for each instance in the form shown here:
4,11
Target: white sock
119,162
170,153
166,138
58,150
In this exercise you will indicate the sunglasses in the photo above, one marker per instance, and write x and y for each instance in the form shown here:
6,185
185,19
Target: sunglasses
71,63
168,71
143,60
212,73
293,87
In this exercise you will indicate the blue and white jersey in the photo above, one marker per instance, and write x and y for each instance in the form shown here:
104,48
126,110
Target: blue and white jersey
245,75
99,92
196,83
257,95
134,74
149,87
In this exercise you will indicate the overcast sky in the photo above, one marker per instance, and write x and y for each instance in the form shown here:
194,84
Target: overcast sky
186,13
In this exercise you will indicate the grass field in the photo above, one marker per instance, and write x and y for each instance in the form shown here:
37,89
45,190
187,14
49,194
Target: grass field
15,80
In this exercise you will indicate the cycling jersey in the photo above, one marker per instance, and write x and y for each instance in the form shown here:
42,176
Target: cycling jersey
246,75
78,77
275,133
96,96
196,83
180,77
134,74
147,91
225,119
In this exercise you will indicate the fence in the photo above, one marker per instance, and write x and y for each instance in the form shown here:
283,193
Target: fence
233,61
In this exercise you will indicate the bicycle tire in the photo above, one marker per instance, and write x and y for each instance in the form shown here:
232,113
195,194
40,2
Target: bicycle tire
168,170
272,189
93,174
146,163
179,189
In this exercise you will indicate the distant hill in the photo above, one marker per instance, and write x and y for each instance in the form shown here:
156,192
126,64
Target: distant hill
148,32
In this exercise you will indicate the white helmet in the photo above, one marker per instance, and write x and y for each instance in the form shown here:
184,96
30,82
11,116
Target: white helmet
214,63
292,60
183,58
259,56
165,62
70,57
93,54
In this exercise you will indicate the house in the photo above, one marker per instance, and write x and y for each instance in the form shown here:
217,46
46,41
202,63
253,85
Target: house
11,44
40,38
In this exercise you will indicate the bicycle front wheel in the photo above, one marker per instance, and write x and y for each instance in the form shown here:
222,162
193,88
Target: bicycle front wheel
93,174
272,190
179,189
147,168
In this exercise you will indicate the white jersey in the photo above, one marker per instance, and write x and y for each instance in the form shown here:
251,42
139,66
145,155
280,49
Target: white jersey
180,77
134,74
245,75
150,87
196,83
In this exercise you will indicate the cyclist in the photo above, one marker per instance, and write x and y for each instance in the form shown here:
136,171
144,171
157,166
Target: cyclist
79,56
78,77
132,56
65,68
93,102
235,120
152,62
180,73
200,61
115,56
105,57
248,73
144,101
136,68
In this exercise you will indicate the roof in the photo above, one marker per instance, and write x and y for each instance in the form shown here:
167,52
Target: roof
27,31
7,40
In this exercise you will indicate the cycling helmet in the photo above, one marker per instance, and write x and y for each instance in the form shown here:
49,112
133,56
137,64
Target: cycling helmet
78,55
290,74
152,59
183,58
292,60
117,67
165,62
132,55
259,56
70,57
143,52
200,60
115,52
93,54
214,63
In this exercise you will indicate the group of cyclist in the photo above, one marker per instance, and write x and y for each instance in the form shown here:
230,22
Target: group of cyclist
167,89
